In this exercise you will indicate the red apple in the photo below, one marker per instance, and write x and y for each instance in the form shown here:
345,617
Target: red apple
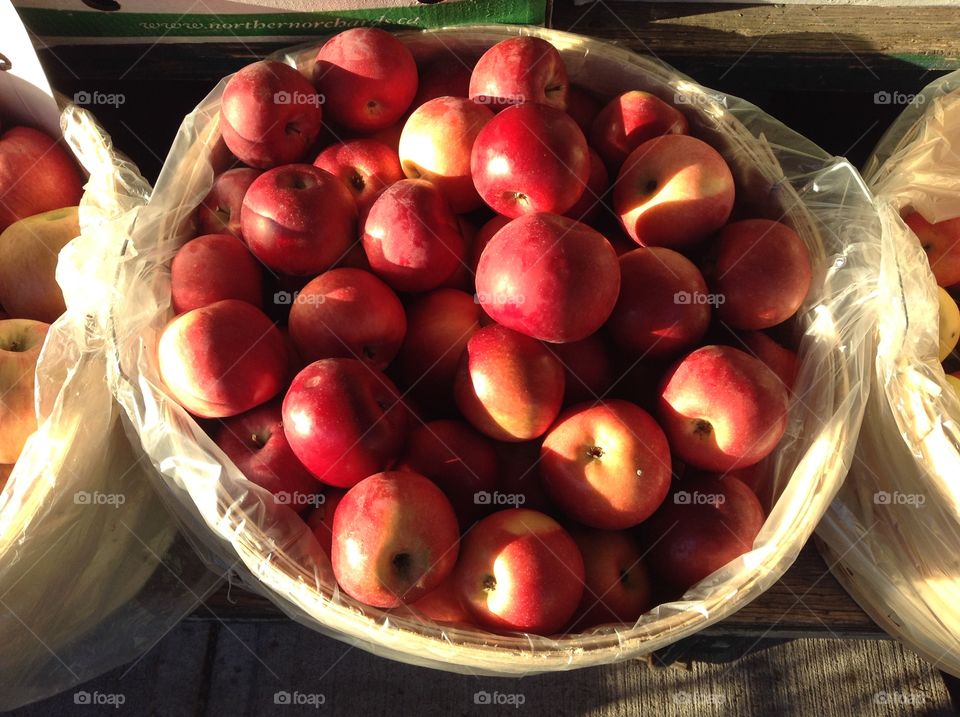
436,143
269,114
20,344
389,136
616,581
520,571
629,120
521,69
722,409
673,191
508,386
444,604
368,78
530,158
255,442
518,482
395,539
365,166
443,76
782,361
219,212
298,219
320,520
211,268
588,368
706,523
459,460
607,465
761,269
439,324
582,107
591,201
463,276
344,420
549,277
483,237
348,313
411,236
941,242
36,175
222,359
663,305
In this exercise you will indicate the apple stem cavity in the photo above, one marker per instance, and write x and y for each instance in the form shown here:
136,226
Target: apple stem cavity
403,564
356,181
702,428
650,187
489,583
595,452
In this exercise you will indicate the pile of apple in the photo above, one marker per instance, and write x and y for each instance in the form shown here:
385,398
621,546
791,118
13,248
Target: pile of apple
941,243
495,416
40,186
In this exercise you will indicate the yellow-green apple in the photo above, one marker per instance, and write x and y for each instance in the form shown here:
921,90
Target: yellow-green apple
444,604
368,78
222,359
344,420
520,571
269,114
616,580
583,107
36,175
441,77
587,367
663,305
606,464
20,344
548,277
530,158
781,360
941,242
298,219
320,520
439,325
629,120
211,268
459,460
508,386
411,236
436,143
365,166
256,443
722,409
705,524
348,313
759,271
591,201
949,322
395,538
673,191
29,249
219,212
518,70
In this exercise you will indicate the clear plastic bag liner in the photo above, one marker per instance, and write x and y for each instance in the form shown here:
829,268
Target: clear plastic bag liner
92,571
893,534
779,175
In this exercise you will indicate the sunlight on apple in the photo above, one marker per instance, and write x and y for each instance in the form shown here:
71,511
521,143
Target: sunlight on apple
499,600
498,166
301,422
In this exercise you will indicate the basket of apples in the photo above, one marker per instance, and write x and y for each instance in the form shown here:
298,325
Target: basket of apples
495,349
897,519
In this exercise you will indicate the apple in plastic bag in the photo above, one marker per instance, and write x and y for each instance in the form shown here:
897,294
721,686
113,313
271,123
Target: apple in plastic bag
520,571
948,323
219,212
702,526
212,268
941,242
395,538
722,409
20,344
606,464
629,120
518,70
270,114
365,166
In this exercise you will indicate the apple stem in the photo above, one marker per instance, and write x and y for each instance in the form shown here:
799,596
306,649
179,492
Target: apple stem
702,427
489,583
595,452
